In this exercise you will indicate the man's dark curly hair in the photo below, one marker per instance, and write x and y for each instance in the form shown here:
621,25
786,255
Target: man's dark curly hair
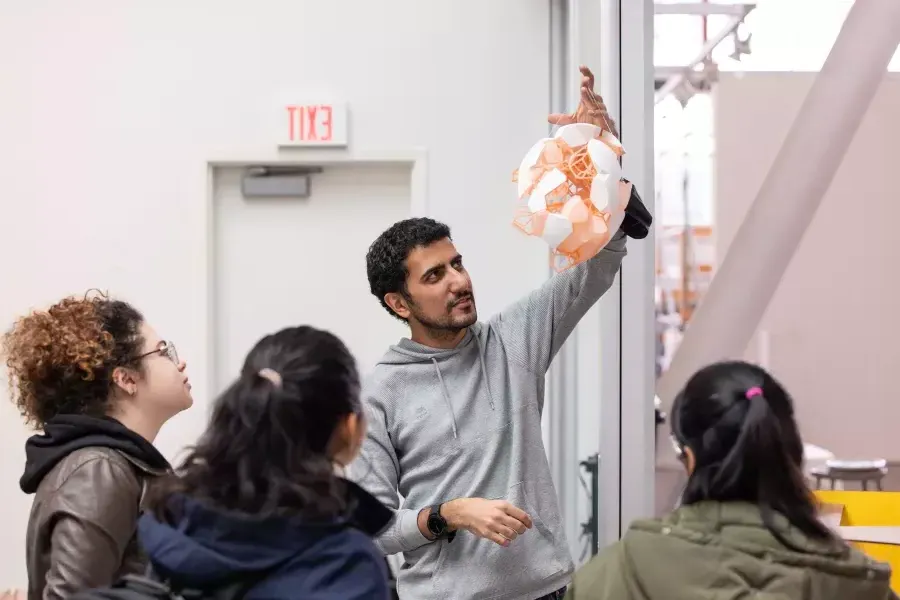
386,259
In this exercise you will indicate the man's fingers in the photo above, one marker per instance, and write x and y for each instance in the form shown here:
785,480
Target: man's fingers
507,532
603,114
593,102
519,515
587,77
588,99
496,538
588,96
514,524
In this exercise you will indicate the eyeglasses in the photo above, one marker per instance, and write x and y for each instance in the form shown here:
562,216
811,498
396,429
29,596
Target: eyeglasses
167,349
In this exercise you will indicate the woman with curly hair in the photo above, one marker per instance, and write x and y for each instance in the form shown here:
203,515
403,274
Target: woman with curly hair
100,383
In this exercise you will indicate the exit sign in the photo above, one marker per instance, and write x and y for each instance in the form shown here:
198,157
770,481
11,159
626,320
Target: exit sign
309,124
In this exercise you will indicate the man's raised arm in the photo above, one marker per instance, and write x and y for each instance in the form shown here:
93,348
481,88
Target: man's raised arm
535,327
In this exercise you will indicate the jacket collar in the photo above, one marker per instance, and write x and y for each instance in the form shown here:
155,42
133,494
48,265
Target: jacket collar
143,466
743,521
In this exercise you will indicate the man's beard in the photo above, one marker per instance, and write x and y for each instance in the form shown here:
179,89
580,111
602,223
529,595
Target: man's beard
448,323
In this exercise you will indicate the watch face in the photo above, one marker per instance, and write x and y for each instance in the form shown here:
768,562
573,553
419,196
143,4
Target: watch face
436,524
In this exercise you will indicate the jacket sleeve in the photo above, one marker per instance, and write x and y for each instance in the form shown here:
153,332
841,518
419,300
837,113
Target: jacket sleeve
377,470
95,512
535,328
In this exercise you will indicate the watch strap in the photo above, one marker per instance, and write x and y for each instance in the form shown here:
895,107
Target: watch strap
435,513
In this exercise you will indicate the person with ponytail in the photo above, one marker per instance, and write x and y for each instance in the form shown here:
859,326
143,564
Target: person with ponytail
259,502
747,526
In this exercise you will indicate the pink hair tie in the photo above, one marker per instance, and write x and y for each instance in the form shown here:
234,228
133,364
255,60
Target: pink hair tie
754,391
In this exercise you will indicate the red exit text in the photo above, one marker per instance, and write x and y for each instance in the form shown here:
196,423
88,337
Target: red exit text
310,123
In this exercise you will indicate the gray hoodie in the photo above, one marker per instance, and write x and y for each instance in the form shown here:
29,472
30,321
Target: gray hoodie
466,422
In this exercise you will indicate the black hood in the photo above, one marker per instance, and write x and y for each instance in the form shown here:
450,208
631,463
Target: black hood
63,434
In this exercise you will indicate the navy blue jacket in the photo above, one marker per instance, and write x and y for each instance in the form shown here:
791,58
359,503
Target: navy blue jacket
336,561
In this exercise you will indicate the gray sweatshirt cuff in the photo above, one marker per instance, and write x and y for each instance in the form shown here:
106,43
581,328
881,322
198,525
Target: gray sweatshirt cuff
410,535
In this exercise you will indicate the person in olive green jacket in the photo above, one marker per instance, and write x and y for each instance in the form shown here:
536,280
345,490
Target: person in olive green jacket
748,525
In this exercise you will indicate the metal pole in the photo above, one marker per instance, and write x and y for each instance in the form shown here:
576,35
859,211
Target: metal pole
814,148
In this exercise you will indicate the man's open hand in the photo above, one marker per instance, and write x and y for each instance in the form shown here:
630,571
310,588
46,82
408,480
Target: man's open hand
591,108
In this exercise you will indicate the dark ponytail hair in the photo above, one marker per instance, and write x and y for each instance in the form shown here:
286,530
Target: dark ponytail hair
739,423
265,450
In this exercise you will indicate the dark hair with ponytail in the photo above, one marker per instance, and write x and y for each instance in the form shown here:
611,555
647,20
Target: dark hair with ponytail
739,423
265,450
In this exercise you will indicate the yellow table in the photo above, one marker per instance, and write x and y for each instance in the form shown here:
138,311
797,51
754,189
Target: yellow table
876,514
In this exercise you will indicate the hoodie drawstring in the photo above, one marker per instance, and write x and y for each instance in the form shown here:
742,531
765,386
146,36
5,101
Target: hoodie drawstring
446,395
487,381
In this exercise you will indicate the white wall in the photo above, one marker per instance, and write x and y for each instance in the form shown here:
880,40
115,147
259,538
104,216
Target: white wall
832,325
111,109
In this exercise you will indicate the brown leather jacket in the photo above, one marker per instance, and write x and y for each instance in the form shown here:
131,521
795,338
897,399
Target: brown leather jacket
82,528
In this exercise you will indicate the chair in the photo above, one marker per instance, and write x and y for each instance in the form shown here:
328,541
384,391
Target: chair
862,471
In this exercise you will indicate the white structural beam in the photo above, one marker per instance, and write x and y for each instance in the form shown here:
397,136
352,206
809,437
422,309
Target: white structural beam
583,33
637,328
786,203
574,383
627,343
600,388
609,420
561,404
587,23
706,52
703,8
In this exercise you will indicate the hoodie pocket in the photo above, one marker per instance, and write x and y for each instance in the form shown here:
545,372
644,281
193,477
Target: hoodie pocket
474,568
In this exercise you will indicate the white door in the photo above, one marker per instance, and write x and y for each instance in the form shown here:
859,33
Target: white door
284,262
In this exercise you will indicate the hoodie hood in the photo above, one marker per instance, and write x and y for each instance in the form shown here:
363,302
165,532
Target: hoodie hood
210,545
64,434
408,352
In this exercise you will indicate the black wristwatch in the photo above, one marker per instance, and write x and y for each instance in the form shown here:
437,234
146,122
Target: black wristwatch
437,525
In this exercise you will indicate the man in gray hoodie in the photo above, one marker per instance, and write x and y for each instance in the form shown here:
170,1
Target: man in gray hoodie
454,421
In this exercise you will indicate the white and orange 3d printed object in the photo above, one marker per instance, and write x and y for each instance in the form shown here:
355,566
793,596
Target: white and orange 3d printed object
570,193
